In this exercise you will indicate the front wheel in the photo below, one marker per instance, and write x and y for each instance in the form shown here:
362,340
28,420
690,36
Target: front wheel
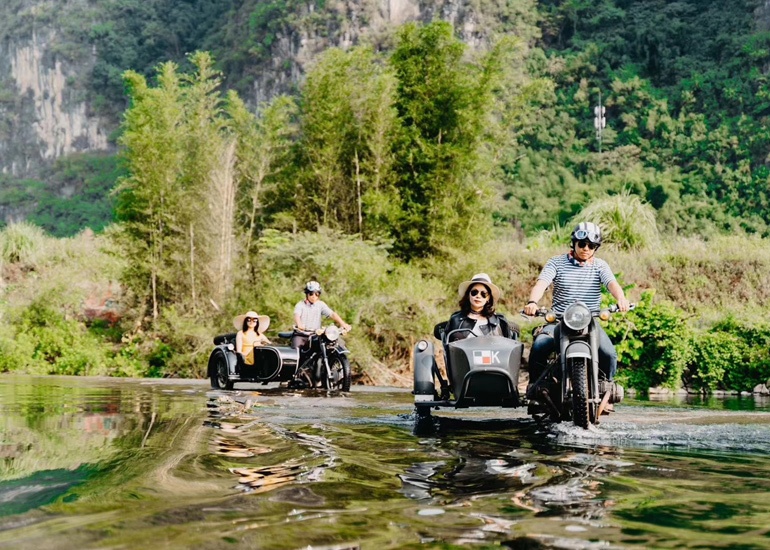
578,372
219,371
339,366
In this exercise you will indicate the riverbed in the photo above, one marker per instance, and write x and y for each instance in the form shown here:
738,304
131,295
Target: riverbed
116,463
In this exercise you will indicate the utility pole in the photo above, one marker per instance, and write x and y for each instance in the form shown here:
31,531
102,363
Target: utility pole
599,121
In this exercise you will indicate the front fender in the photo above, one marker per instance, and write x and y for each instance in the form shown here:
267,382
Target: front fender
422,363
578,349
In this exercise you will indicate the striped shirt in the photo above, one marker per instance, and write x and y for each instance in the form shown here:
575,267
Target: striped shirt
573,282
311,314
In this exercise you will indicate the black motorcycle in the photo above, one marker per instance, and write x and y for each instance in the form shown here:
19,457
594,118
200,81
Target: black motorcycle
323,359
322,362
572,387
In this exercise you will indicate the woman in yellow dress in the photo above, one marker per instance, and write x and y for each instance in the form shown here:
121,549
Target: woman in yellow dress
251,328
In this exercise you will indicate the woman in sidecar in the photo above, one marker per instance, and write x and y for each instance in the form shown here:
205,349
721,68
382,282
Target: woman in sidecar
481,371
249,356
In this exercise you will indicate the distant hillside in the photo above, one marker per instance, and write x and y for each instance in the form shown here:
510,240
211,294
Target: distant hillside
693,68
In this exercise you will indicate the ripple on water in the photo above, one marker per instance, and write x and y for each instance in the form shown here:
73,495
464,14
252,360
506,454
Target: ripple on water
732,437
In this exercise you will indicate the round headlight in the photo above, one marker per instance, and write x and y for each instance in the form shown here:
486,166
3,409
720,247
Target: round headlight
577,316
422,345
332,333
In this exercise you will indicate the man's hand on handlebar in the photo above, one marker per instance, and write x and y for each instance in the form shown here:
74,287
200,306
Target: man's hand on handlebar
624,305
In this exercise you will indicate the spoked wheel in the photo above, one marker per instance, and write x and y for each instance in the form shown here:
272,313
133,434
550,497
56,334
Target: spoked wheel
219,374
578,372
340,374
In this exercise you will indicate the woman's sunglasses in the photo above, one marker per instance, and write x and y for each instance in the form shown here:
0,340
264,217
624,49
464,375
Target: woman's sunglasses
249,320
589,244
476,292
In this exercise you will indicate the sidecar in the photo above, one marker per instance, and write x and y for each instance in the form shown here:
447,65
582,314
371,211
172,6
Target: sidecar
271,364
482,372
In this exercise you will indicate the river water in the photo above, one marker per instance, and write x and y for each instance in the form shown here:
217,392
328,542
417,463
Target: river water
116,464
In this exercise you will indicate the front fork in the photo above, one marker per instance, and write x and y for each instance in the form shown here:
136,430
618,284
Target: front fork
593,375
325,366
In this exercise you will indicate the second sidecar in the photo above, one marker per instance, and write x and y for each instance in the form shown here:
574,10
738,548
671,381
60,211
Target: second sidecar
481,371
271,363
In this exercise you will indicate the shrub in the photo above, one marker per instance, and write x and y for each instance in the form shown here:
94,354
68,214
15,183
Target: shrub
654,345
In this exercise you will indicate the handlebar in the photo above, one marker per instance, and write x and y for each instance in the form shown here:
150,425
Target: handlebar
543,311
317,332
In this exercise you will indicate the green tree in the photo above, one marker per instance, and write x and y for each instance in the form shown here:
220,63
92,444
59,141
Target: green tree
262,154
179,153
348,124
443,102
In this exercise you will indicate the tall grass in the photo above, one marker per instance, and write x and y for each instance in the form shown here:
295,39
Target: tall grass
23,243
627,222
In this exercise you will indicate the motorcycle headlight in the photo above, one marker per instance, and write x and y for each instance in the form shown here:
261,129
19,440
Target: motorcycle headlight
332,333
577,317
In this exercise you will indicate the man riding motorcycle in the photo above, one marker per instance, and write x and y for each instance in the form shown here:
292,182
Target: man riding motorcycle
576,275
309,314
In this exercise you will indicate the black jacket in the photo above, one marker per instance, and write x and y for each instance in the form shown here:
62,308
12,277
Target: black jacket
460,320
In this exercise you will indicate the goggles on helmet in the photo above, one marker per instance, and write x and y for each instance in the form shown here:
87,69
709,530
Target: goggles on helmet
582,234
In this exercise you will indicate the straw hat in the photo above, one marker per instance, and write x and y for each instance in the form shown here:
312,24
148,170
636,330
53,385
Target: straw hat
264,321
482,278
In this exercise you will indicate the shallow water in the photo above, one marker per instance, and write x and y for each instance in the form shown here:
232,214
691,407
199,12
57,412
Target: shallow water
105,463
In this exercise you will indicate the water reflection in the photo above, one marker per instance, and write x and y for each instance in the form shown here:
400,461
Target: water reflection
112,464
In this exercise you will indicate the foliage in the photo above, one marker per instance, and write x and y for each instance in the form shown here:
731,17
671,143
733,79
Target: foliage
654,345
179,152
75,194
22,243
45,328
740,357
361,281
626,221
442,104
348,126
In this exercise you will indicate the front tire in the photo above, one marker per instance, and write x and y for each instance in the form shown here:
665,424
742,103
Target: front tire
578,372
219,371
340,374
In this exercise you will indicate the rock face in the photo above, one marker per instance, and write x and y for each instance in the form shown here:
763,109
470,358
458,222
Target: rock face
47,120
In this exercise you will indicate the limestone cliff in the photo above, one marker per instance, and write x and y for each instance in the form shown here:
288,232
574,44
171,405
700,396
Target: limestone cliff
45,119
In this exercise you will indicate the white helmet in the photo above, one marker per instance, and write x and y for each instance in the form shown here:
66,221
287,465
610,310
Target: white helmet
587,231
313,286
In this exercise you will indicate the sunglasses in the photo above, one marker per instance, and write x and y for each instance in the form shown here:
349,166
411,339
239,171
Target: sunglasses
589,244
249,320
476,292
313,293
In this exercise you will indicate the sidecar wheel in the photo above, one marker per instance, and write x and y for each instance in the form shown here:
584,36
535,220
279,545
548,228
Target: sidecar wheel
340,370
219,374
578,370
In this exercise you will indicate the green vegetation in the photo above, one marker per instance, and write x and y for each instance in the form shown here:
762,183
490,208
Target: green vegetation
88,180
411,153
